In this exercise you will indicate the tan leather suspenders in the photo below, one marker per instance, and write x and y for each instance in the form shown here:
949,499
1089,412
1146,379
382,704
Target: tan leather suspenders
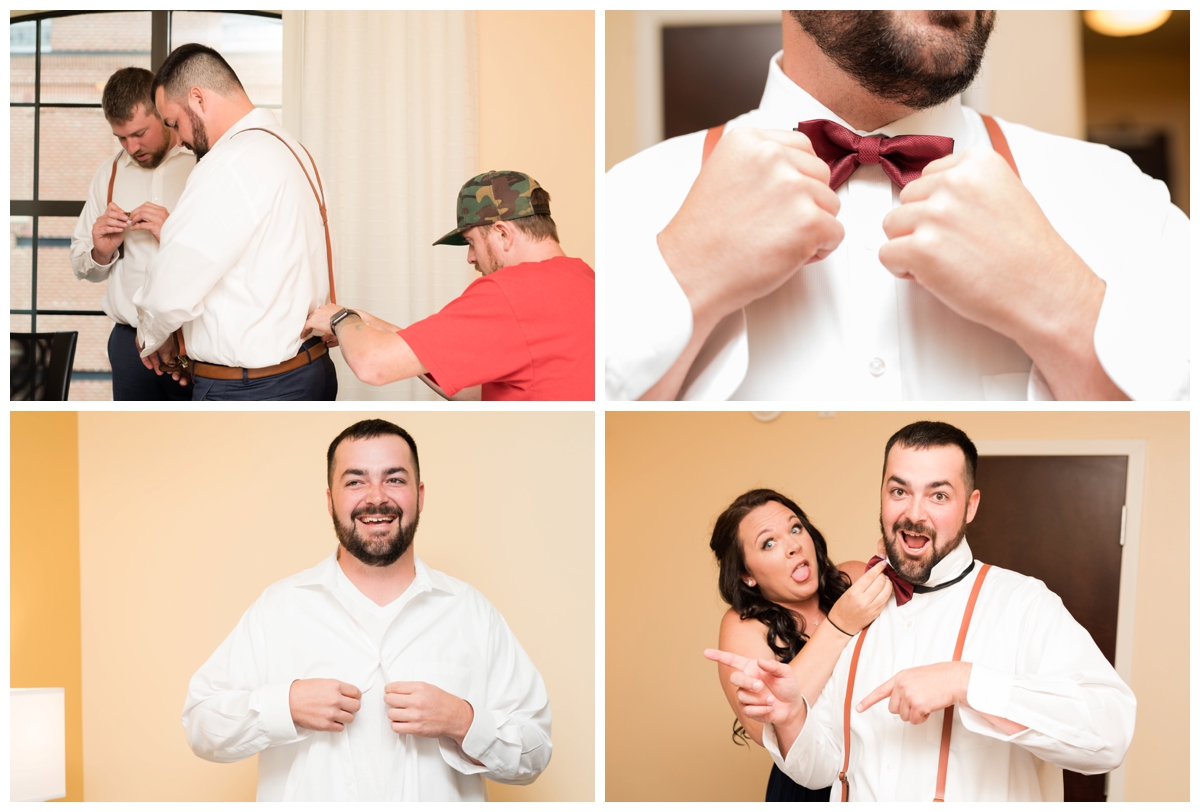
319,196
999,142
947,715
112,181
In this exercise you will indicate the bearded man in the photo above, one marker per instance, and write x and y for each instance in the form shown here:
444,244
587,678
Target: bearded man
246,255
864,236
371,676
1026,691
116,236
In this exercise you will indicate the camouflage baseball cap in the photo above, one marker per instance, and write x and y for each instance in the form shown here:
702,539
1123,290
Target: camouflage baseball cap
491,197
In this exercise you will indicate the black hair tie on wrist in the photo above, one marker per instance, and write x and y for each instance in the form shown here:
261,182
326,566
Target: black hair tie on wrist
829,620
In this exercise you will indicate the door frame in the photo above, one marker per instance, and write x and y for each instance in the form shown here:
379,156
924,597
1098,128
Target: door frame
1135,480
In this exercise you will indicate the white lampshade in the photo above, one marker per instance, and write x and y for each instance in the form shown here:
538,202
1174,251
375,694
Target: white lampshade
38,744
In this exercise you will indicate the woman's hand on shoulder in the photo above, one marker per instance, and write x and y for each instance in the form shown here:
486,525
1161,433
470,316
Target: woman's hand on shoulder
862,602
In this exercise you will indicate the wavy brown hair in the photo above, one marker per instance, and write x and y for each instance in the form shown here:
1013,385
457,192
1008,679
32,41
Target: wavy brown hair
785,629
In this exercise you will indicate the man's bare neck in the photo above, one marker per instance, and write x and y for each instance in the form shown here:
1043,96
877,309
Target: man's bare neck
539,251
805,64
381,584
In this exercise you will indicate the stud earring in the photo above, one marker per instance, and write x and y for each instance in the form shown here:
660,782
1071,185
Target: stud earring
750,582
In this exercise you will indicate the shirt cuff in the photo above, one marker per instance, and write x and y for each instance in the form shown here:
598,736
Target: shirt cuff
988,691
475,744
90,264
649,324
771,742
1141,335
147,335
273,705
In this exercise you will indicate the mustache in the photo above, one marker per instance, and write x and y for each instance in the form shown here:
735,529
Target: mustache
909,526
377,510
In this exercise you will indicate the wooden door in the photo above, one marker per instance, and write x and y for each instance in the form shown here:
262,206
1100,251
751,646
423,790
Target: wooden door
1059,519
713,73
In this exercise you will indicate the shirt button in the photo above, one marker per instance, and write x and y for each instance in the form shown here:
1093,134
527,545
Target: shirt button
889,768
908,625
877,367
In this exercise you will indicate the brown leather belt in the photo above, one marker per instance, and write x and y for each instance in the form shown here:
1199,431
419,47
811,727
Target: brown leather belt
221,373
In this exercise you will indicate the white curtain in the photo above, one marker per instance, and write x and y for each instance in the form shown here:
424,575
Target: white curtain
386,101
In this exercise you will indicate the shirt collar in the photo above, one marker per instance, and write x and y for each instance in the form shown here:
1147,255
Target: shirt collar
177,150
952,565
785,104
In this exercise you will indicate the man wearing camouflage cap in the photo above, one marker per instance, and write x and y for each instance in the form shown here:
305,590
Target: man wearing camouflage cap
524,331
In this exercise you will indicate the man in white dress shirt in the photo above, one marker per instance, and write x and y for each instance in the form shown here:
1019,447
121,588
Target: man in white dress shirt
1031,688
117,234
751,279
245,256
372,676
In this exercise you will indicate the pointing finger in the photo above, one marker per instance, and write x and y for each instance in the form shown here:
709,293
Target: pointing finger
876,695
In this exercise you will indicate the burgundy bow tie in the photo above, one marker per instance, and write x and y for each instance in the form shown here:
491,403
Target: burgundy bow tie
903,157
901,588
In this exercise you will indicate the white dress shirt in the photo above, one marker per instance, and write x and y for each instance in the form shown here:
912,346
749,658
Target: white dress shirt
242,260
845,328
1031,663
444,633
134,186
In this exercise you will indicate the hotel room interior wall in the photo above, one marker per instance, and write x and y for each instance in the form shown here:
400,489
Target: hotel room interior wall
44,620
537,111
173,552
668,475
1040,50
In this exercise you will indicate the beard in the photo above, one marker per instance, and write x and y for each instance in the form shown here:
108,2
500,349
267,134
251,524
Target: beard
486,261
159,155
917,572
199,145
896,62
377,552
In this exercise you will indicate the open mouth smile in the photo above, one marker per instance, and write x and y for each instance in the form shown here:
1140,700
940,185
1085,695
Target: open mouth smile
913,543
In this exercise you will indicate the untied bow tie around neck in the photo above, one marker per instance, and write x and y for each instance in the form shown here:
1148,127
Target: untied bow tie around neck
903,157
901,588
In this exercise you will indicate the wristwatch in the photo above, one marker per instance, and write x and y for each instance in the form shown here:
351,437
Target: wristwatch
340,316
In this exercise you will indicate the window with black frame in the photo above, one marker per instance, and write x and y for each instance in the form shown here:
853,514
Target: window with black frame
58,65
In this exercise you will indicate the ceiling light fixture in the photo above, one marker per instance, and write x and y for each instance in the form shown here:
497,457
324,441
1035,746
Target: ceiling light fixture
1124,23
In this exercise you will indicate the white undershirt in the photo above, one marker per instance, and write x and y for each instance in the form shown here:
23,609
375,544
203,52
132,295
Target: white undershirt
372,740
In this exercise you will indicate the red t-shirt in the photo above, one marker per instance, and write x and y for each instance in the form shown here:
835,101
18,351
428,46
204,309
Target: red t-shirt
525,332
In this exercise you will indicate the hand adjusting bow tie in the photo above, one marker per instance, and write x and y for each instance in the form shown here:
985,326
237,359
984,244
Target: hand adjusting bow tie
903,157
901,588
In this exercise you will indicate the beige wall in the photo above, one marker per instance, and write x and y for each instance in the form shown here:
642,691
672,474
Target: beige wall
44,626
186,517
668,475
537,111
1033,74
620,127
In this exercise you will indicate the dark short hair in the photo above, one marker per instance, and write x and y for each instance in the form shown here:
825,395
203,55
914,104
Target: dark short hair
537,226
124,92
931,434
195,65
368,430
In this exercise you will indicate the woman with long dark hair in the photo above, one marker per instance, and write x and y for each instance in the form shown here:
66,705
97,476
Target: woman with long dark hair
788,602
